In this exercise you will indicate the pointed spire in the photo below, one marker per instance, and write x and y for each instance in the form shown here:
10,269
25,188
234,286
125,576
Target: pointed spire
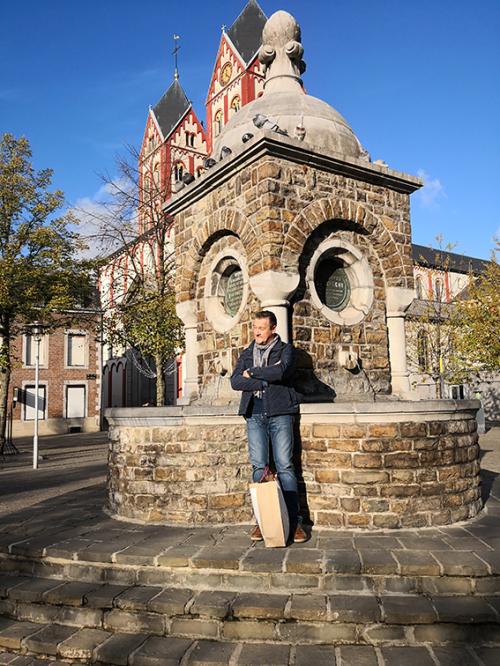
174,53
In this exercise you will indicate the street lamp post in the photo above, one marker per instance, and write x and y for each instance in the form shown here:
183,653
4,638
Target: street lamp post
37,332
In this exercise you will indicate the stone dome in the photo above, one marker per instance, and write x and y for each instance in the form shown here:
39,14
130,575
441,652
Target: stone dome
284,104
293,111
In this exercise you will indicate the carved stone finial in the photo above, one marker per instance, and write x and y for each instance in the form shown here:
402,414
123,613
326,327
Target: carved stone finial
281,53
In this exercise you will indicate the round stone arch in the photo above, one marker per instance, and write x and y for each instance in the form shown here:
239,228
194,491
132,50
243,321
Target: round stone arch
330,208
226,222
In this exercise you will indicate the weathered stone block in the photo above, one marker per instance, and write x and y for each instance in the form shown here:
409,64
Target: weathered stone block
82,643
194,628
47,640
116,650
249,630
160,651
326,430
126,622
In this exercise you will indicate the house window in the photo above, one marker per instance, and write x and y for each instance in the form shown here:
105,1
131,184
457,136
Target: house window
178,171
236,104
30,350
423,351
76,350
218,123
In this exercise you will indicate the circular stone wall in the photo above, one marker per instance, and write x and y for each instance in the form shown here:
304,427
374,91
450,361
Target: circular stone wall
369,466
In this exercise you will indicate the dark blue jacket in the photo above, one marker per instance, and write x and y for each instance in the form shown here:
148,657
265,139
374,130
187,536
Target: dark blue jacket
279,396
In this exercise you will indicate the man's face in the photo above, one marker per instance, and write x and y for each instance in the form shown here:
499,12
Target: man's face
262,331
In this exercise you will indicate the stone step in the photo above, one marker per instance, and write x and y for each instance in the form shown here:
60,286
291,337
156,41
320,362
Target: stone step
250,567
356,618
30,644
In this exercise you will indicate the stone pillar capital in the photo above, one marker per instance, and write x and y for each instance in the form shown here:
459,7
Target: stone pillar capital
187,313
274,287
398,299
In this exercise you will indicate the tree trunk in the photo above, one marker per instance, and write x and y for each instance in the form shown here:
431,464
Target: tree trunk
4,386
160,382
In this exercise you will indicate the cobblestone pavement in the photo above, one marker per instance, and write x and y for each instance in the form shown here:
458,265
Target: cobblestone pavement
69,462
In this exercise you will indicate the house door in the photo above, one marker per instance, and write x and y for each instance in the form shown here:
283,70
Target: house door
75,401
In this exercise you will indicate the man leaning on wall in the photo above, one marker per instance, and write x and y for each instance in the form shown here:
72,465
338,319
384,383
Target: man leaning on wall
269,403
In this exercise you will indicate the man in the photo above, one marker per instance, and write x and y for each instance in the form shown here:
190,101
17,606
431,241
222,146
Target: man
268,403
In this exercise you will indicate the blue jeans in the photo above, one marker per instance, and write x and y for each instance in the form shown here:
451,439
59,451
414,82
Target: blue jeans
278,429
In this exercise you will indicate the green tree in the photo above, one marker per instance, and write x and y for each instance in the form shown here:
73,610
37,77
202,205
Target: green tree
40,276
478,331
137,279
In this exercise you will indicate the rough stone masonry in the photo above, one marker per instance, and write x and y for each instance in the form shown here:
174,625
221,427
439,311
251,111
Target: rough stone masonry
292,216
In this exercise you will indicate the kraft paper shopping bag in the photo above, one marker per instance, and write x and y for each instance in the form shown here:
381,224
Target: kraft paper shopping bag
271,513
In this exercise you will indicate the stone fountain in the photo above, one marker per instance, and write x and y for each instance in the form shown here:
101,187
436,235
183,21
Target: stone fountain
295,218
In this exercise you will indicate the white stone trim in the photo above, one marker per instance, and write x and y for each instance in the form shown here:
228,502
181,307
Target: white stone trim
214,310
360,277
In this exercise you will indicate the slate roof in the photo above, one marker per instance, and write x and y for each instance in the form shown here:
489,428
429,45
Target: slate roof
246,31
426,256
171,107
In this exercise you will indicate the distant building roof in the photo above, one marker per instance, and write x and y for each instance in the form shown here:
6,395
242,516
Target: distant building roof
171,107
246,31
440,259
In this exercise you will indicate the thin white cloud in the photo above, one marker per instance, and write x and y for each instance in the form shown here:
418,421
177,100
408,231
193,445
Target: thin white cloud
97,217
432,191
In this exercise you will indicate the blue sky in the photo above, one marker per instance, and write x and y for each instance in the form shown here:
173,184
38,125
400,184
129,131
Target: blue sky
418,83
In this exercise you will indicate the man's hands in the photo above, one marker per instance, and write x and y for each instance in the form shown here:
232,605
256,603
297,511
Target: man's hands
246,374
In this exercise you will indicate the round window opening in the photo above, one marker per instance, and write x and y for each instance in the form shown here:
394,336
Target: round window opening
332,283
232,289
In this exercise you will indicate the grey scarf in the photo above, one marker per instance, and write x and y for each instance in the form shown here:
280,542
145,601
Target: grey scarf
261,357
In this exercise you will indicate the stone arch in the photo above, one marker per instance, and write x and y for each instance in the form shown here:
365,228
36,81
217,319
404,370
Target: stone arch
330,208
224,222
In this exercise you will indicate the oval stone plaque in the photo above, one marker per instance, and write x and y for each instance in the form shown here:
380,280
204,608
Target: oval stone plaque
332,285
233,292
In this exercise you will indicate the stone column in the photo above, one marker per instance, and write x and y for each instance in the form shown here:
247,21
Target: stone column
273,289
187,313
398,300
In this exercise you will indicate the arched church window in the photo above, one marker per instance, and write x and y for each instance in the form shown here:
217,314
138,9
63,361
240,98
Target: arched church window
218,123
236,104
178,171
147,184
423,351
156,176
191,139
438,289
419,287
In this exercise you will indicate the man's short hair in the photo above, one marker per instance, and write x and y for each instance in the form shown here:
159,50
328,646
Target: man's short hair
267,314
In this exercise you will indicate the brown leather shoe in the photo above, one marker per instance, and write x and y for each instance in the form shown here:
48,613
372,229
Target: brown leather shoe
256,534
300,535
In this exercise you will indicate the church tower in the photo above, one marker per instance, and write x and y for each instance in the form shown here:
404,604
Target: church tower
238,76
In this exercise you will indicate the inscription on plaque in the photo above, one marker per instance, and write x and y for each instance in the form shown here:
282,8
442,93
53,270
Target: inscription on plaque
332,285
233,292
